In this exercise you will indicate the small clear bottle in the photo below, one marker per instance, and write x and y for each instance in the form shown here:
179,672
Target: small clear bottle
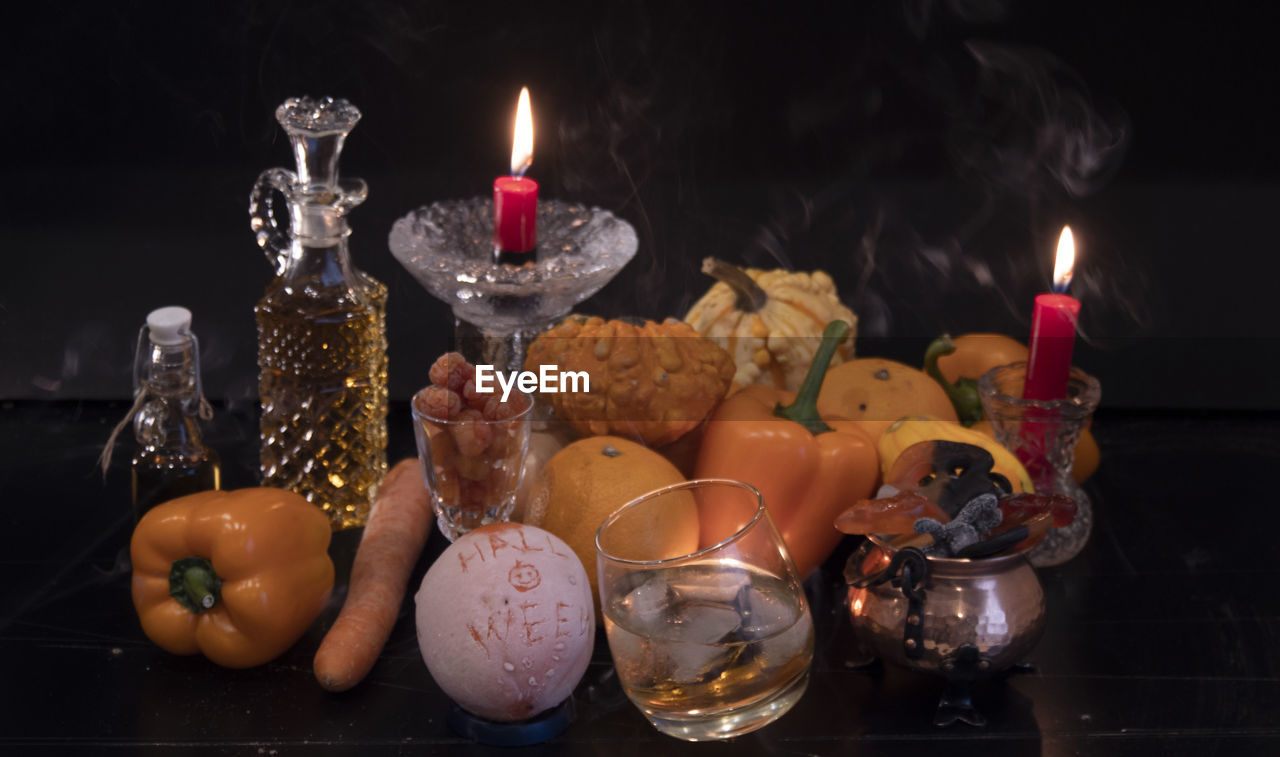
322,348
172,459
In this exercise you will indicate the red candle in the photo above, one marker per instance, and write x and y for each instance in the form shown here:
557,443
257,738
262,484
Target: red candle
515,198
1053,331
515,214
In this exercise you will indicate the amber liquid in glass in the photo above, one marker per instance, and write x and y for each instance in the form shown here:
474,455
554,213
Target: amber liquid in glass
688,648
323,388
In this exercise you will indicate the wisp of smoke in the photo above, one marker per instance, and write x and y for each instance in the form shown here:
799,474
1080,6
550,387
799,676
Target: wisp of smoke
1037,125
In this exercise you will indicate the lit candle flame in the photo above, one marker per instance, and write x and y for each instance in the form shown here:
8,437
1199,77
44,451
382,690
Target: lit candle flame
1064,262
522,144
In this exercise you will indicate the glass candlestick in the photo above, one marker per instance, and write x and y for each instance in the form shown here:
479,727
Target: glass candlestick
500,308
1043,434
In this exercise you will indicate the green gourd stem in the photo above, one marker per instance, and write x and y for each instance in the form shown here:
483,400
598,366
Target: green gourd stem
964,392
804,408
194,584
750,296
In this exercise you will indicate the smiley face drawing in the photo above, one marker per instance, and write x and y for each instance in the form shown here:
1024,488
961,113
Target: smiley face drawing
524,577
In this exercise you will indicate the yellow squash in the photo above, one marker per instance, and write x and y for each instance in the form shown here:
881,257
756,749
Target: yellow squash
908,430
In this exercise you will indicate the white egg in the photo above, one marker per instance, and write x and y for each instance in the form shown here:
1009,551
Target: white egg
506,622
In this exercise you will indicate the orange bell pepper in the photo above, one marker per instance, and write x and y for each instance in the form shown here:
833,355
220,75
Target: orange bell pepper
235,575
808,469
958,364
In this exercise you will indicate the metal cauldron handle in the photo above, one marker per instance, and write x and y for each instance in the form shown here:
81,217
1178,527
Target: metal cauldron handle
908,570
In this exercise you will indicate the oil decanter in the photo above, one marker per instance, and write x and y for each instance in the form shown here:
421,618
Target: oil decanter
322,349
171,459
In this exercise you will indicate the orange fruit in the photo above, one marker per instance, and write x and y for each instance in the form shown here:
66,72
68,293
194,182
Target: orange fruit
585,482
546,439
978,353
877,391
1088,457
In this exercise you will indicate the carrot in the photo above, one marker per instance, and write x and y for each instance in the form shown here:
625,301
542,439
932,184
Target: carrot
399,524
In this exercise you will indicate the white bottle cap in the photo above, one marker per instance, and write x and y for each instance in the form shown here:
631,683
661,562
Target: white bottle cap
169,326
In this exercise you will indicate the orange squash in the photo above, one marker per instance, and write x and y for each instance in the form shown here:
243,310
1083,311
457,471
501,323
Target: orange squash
653,382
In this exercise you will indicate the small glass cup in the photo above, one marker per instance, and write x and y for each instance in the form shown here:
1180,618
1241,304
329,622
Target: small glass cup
1043,434
706,618
473,467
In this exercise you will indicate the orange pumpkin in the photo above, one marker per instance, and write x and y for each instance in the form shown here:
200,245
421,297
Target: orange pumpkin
878,391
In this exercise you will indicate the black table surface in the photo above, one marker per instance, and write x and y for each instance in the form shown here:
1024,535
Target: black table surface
1164,634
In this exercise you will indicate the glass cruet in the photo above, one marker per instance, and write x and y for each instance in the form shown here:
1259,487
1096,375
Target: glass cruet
322,350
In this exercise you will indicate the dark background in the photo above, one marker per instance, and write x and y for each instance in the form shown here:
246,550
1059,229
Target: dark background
926,154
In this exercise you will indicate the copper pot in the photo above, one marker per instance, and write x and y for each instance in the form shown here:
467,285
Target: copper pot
969,618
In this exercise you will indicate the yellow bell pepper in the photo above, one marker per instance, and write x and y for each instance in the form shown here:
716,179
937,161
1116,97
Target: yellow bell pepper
235,575
807,468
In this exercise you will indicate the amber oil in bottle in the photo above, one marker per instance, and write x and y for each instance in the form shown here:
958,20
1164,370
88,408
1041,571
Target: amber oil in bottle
322,349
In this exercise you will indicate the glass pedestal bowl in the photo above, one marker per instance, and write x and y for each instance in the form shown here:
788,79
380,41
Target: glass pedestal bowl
500,308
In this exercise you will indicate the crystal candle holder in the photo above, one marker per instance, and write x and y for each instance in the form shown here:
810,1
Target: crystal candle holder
500,308
1043,434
